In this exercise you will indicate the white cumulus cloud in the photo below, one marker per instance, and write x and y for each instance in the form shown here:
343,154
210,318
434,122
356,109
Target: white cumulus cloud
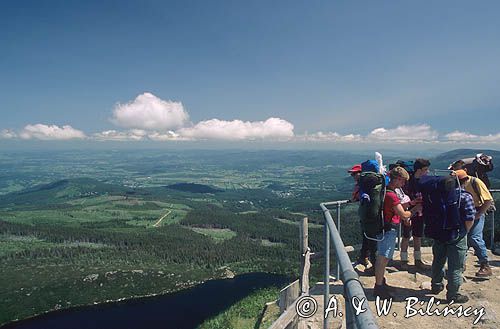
168,136
403,133
459,136
136,135
7,134
272,128
50,132
149,112
113,135
329,137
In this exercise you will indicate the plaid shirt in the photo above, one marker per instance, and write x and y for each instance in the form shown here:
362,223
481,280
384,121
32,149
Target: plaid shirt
467,209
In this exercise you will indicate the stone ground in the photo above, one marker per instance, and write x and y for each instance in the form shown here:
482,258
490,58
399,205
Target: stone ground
482,293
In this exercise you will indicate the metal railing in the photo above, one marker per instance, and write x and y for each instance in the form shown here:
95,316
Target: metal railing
291,294
492,238
345,272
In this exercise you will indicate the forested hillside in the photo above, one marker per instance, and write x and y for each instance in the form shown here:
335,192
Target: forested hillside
152,223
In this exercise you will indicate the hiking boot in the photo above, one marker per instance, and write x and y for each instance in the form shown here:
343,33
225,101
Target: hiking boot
381,292
404,265
458,299
437,289
420,265
484,271
370,271
361,261
388,287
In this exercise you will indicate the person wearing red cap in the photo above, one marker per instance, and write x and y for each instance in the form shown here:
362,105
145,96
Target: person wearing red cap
368,250
355,172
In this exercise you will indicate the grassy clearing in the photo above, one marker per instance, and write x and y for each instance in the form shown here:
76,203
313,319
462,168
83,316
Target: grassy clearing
270,315
141,222
97,200
207,200
12,244
299,213
131,211
291,222
248,212
217,234
267,243
246,313
172,216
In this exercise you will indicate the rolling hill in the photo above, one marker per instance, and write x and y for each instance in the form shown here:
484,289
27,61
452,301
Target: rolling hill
60,191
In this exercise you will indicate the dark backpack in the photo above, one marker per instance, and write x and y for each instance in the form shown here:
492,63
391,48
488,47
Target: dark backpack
407,165
477,167
441,206
372,191
480,170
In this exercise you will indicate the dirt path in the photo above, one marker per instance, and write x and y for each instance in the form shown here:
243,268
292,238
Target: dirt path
483,293
161,218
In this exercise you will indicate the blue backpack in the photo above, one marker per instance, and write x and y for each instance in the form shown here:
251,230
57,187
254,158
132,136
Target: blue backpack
441,206
370,166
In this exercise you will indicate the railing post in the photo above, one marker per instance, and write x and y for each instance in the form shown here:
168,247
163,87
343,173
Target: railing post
492,239
305,256
338,229
352,286
327,275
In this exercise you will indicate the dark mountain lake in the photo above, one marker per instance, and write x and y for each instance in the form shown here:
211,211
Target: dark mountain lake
180,310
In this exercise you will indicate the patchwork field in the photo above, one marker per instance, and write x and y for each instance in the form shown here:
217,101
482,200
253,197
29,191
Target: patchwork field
217,234
80,228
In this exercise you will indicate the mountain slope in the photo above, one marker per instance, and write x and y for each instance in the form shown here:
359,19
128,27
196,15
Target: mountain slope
60,191
443,160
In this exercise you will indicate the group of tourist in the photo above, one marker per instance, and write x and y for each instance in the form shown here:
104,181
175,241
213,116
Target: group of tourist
402,205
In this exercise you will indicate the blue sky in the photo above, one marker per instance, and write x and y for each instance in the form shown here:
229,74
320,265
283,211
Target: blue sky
342,68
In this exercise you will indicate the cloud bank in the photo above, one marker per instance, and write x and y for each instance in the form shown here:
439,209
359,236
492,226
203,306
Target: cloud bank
329,137
405,133
7,134
50,132
458,136
149,112
135,135
113,135
272,128
148,117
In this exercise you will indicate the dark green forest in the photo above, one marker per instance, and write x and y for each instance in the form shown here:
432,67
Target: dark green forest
78,228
